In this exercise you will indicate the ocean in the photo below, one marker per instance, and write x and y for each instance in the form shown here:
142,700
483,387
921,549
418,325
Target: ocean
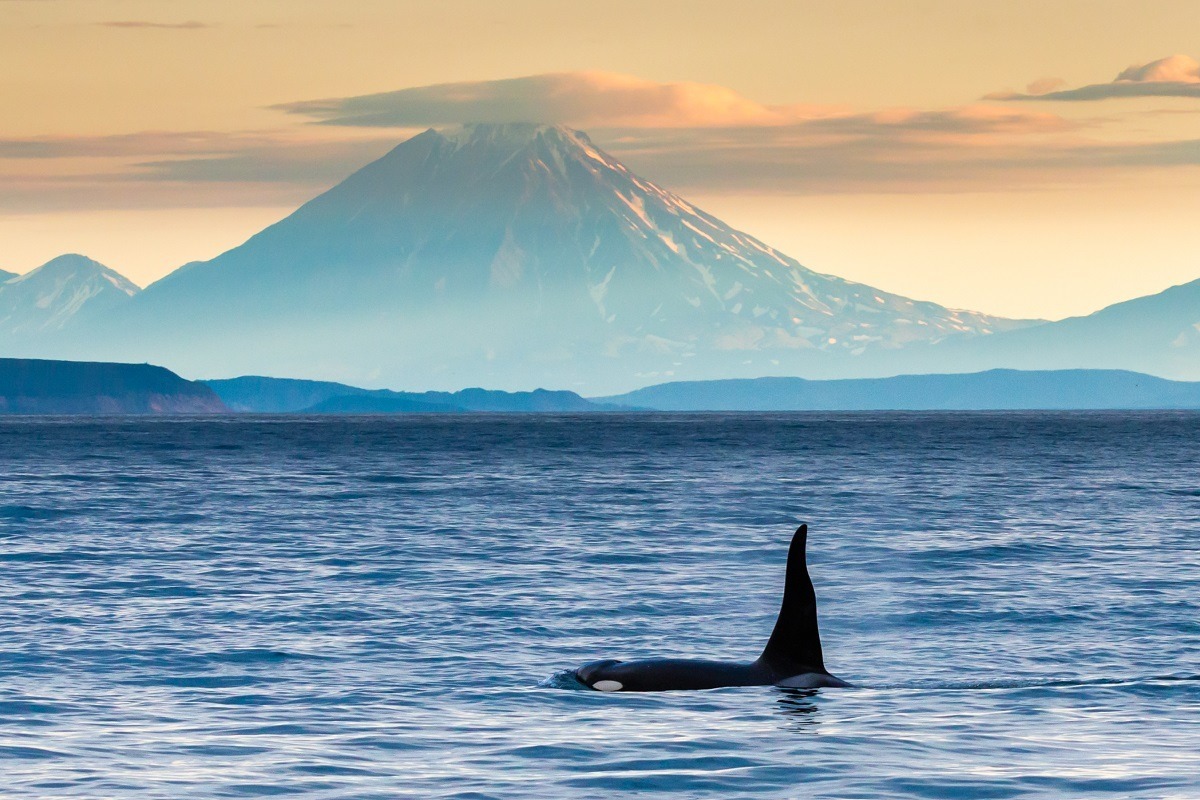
375,607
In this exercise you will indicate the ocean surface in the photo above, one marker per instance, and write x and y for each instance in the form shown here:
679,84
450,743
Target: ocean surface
385,607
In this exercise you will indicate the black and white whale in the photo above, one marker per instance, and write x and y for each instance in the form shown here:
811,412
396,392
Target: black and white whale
791,658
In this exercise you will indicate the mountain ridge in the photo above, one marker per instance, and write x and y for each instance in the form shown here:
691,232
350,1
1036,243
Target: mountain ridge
1158,333
513,255
522,254
259,394
59,294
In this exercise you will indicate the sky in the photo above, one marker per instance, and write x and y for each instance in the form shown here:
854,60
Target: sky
1027,159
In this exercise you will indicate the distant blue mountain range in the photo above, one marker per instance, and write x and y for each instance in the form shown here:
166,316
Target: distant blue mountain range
996,389
284,396
993,390
30,386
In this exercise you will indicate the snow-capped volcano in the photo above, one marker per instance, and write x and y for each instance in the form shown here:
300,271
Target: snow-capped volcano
516,254
58,294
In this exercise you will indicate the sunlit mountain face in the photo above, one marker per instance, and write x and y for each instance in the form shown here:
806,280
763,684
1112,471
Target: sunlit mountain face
511,255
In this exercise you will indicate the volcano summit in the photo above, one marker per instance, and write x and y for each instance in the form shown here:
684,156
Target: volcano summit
512,256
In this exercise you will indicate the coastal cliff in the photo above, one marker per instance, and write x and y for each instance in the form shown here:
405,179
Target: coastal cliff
33,386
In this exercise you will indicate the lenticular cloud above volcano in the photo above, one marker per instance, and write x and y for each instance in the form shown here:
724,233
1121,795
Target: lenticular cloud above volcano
575,98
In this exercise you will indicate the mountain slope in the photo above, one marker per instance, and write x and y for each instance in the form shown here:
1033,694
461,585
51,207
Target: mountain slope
991,390
5,275
60,293
1158,333
512,255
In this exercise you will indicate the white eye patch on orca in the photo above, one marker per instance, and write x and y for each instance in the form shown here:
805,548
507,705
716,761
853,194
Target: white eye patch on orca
608,686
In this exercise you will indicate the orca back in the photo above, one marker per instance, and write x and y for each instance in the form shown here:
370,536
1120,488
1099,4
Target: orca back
792,657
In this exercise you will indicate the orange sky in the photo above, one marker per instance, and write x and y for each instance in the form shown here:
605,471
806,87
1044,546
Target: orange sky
996,156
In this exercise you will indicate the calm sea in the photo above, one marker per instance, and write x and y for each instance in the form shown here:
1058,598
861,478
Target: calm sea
383,607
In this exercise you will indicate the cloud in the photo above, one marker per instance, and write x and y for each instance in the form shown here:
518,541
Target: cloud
581,99
605,101
702,136
795,161
1172,69
689,137
156,154
190,25
315,165
176,169
130,144
1044,85
975,120
1173,76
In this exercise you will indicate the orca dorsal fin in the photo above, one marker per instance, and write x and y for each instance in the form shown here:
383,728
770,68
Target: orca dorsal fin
795,643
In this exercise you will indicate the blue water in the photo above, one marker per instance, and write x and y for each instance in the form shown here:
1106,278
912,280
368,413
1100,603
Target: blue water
379,607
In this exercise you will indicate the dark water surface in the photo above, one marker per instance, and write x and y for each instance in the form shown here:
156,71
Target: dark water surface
377,607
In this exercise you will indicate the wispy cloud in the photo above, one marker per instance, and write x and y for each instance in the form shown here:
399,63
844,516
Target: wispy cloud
176,169
685,136
602,101
704,136
190,25
583,99
1173,76
796,161
132,144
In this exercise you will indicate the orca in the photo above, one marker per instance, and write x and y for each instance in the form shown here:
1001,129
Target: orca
792,657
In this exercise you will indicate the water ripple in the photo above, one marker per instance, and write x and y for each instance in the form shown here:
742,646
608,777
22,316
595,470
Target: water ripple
382,607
